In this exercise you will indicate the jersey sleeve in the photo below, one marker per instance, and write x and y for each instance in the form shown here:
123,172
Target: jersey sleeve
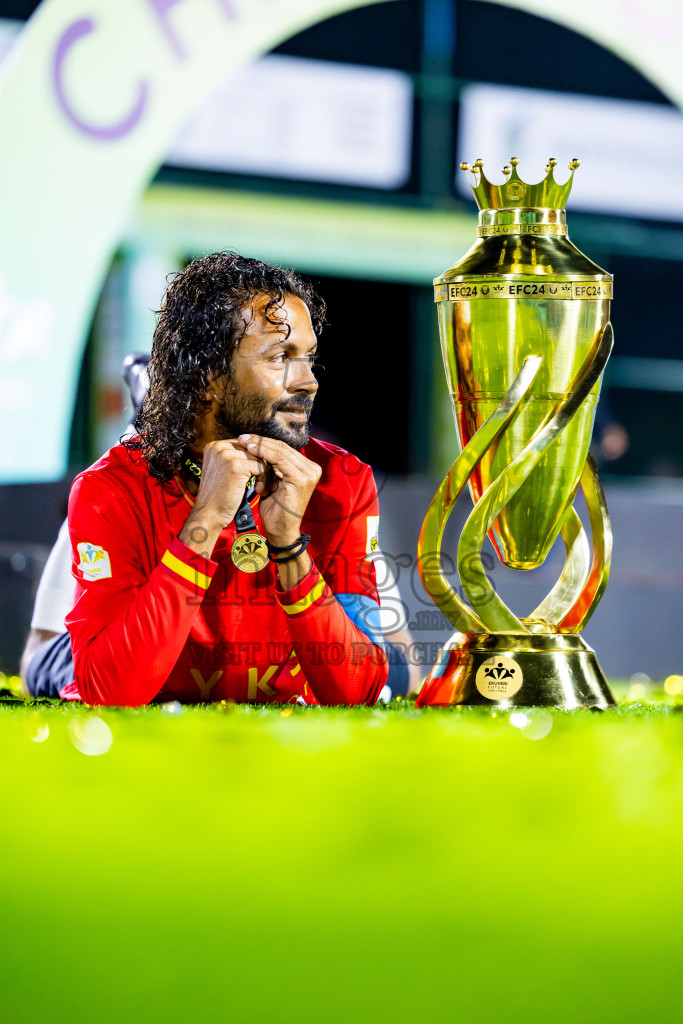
127,625
333,613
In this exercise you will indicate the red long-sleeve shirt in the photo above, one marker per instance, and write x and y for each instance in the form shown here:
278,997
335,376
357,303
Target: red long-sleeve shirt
153,619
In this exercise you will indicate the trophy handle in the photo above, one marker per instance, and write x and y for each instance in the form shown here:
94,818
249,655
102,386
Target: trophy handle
601,530
573,599
476,585
431,535
569,586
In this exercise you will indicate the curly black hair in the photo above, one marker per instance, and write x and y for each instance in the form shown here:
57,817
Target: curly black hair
199,325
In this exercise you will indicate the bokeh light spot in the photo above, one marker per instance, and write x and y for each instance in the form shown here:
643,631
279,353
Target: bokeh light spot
519,719
172,709
38,731
673,685
540,724
92,736
534,725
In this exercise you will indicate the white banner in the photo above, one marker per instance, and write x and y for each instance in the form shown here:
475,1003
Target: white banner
624,147
308,119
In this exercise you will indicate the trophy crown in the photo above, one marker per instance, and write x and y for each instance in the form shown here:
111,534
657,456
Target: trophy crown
514,192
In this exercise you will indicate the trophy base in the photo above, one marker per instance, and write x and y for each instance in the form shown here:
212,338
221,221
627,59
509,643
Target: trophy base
517,670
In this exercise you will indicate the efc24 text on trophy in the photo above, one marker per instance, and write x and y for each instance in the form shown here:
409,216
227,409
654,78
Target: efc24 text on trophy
525,336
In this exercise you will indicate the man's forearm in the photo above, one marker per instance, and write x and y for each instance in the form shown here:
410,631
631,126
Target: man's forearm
200,533
340,662
127,657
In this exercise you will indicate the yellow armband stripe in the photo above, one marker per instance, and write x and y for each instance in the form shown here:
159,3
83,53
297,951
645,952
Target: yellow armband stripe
311,597
186,571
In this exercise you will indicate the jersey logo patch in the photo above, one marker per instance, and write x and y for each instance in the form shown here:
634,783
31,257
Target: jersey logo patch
373,535
94,563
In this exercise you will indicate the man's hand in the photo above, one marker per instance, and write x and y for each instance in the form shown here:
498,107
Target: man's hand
286,494
226,469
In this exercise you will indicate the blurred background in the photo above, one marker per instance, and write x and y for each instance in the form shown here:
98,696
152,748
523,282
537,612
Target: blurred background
337,154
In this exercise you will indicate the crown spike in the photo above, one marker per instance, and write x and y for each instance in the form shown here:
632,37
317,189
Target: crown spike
475,169
546,194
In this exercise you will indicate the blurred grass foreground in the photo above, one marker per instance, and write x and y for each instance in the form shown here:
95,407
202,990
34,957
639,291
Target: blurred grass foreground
302,864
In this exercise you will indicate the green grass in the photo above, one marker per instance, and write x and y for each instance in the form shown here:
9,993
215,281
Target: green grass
288,865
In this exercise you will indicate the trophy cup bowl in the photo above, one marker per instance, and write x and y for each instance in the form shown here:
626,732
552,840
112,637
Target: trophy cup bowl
525,336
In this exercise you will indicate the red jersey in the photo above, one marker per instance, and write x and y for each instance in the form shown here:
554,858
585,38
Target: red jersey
153,619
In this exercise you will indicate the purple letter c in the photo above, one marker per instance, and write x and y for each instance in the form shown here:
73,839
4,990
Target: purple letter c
110,132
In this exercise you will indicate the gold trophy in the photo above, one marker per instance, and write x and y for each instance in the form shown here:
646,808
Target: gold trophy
525,336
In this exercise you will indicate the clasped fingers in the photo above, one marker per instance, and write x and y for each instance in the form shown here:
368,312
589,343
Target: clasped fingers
230,458
288,463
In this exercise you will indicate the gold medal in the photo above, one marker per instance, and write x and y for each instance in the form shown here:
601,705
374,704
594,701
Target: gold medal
249,552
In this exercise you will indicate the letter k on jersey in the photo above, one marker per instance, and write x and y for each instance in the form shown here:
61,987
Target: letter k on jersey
261,684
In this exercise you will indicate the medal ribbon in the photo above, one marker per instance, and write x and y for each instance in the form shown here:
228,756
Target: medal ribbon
244,517
250,552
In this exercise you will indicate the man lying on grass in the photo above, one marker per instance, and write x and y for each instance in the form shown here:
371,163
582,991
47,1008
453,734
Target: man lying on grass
222,554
